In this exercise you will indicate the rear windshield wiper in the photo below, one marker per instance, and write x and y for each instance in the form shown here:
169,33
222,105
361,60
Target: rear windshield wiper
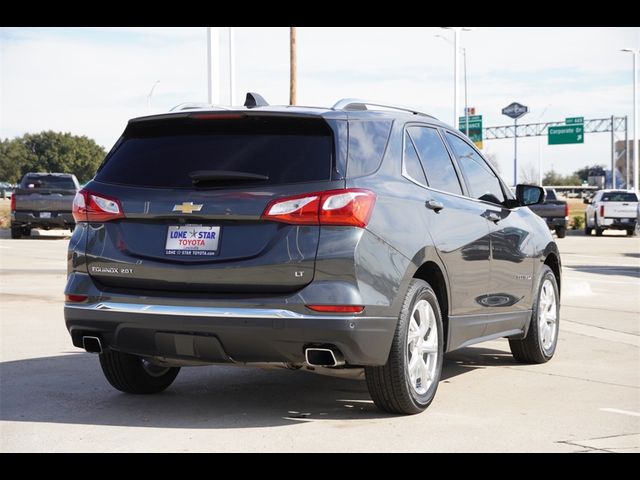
213,176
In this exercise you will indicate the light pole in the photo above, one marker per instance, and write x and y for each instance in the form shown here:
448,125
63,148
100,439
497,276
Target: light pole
151,93
456,32
232,65
539,161
466,106
213,65
636,175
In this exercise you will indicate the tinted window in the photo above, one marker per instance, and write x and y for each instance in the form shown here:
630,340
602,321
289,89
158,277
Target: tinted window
483,183
48,181
435,160
162,154
367,142
412,162
619,197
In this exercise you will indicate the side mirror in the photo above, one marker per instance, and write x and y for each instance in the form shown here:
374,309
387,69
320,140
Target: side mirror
586,200
529,195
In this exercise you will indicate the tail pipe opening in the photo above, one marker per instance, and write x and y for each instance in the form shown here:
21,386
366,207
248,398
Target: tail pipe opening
324,356
92,344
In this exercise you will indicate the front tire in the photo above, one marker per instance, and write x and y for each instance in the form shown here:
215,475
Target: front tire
133,374
407,383
587,228
542,338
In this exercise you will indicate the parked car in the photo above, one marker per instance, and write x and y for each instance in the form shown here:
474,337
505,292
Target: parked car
6,190
43,200
314,238
611,209
554,211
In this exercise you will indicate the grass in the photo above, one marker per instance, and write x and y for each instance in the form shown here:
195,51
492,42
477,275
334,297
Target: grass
5,220
576,206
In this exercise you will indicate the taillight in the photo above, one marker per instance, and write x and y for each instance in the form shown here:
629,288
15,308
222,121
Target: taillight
602,210
351,206
92,207
76,298
13,202
336,308
566,209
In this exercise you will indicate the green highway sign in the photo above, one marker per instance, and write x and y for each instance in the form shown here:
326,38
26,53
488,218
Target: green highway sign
475,128
574,120
564,134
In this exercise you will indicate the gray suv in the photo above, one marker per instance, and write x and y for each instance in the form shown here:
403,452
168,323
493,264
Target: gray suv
316,238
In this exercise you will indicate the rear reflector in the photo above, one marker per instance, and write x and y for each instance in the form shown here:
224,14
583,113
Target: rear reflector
336,308
602,210
76,298
95,208
351,207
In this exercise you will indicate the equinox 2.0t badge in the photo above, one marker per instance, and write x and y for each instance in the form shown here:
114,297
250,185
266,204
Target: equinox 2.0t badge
187,207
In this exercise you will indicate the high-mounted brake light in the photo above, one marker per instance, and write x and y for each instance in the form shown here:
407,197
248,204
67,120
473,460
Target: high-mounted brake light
216,116
93,207
351,207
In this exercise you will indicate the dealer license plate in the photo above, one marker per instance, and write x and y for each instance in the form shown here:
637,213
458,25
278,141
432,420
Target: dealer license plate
192,240
45,214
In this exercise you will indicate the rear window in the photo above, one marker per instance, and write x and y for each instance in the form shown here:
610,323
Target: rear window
48,181
619,197
164,153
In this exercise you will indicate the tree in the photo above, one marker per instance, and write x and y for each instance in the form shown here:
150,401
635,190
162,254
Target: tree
593,171
552,178
491,158
50,152
529,174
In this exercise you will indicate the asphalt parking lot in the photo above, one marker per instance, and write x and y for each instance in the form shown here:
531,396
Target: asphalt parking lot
53,396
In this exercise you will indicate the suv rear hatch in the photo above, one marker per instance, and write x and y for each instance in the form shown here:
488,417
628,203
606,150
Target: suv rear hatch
193,189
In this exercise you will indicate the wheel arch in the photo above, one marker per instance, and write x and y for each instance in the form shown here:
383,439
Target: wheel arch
431,273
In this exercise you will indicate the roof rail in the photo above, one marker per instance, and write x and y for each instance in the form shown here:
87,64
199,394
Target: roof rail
359,104
197,106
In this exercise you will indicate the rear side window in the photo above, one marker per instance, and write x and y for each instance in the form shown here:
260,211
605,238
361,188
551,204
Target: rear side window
551,194
435,160
619,197
48,181
164,153
367,143
482,182
411,161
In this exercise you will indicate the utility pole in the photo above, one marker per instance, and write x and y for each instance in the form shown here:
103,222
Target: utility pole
466,107
213,65
232,65
636,173
293,82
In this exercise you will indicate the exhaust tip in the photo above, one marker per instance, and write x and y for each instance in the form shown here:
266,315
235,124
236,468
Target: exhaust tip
323,357
92,344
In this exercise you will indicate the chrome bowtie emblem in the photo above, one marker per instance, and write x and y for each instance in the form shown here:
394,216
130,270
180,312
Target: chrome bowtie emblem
187,207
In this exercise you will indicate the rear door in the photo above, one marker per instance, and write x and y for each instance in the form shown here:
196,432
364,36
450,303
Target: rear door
193,190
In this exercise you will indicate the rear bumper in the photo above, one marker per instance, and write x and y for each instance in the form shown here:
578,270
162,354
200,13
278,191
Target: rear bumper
33,220
557,222
618,223
213,335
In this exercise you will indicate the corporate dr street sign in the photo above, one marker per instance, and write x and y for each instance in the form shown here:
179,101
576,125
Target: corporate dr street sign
572,132
475,128
564,134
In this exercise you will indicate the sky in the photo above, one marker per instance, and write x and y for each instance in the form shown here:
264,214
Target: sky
90,81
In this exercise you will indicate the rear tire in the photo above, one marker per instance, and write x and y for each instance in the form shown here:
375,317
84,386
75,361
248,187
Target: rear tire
587,228
542,337
132,374
407,383
16,232
599,232
26,231
561,232
630,232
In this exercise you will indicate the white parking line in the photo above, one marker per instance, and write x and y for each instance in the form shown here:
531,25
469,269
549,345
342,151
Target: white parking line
601,332
623,412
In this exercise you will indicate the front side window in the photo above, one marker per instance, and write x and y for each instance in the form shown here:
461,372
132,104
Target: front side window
483,183
435,160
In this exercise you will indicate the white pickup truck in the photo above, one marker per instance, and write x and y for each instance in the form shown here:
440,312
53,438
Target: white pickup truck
611,209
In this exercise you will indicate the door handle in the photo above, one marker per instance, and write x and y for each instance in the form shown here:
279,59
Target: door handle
434,205
493,216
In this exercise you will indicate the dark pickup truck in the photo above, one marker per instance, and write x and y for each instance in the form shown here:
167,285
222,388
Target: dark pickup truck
555,212
43,200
